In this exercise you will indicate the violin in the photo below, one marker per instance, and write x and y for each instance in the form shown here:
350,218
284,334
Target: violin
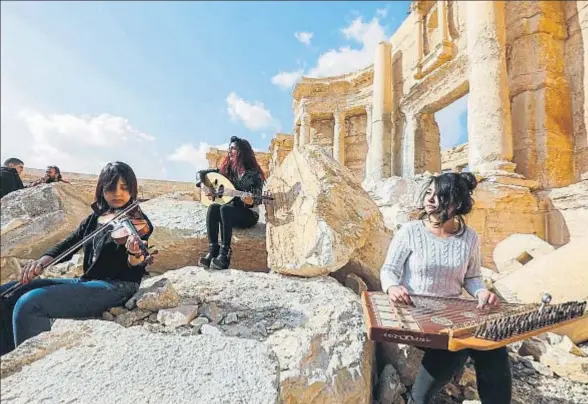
130,224
123,223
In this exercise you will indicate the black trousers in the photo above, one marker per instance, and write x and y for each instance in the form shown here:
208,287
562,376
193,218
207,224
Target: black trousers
493,374
226,217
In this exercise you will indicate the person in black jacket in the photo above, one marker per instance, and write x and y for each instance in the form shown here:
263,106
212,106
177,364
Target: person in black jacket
112,272
10,176
241,167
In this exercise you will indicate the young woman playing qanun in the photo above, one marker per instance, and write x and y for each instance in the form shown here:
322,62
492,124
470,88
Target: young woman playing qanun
112,272
439,255
242,169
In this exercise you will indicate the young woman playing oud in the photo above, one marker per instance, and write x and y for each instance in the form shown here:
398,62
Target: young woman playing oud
439,255
112,272
244,172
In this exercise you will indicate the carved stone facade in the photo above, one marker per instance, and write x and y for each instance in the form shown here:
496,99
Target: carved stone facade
215,156
522,64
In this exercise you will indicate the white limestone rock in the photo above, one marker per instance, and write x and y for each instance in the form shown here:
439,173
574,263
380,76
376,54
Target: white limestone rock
322,220
101,362
315,326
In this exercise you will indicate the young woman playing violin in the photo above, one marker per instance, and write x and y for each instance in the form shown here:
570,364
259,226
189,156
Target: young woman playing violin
242,169
112,271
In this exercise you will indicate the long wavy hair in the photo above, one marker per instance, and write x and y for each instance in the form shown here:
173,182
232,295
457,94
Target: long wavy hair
454,192
245,159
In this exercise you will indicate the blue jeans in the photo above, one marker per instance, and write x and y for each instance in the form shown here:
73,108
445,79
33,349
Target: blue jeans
28,312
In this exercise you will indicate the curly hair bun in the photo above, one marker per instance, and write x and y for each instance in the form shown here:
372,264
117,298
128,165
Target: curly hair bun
470,180
234,139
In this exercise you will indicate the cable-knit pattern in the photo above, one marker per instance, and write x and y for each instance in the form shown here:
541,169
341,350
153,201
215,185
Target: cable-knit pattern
428,264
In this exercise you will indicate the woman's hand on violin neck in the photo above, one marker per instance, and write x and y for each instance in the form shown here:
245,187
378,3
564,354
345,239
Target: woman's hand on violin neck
33,269
133,245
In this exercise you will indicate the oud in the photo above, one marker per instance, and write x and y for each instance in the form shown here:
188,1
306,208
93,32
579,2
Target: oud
222,191
456,323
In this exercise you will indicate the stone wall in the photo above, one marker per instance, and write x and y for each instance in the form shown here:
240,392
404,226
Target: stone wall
321,132
280,146
522,64
356,144
575,57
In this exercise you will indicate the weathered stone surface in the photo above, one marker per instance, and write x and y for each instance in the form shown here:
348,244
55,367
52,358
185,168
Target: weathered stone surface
323,220
35,219
315,326
178,316
389,388
517,249
159,295
562,273
211,369
180,237
566,213
406,359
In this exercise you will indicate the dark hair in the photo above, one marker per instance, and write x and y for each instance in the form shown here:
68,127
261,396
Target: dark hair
108,180
13,160
454,192
57,171
245,159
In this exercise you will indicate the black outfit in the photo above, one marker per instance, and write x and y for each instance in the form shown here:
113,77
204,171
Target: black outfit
108,280
103,258
9,181
493,374
227,216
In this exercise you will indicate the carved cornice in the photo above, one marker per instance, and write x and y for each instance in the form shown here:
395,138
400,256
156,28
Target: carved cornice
309,87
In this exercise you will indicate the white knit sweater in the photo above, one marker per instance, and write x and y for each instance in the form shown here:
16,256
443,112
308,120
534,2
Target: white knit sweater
427,264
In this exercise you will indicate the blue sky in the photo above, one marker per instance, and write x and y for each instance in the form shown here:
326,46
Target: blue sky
156,83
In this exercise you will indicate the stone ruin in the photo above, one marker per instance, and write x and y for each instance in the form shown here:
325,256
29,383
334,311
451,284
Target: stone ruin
271,337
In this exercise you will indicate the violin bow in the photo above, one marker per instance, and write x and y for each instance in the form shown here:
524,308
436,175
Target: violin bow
8,292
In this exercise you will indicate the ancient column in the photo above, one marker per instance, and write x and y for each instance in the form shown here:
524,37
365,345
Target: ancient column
304,137
339,137
442,20
421,150
582,143
489,116
543,143
368,130
296,132
381,112
409,144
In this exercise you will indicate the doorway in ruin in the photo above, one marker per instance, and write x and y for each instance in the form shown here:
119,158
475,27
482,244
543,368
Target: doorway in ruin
452,122
356,143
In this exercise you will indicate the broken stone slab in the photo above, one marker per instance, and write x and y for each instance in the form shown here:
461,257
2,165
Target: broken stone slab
34,219
211,369
406,359
159,295
178,316
180,237
561,273
323,221
320,342
517,250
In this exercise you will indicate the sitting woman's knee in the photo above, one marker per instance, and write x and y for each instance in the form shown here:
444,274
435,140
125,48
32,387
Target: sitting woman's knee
29,302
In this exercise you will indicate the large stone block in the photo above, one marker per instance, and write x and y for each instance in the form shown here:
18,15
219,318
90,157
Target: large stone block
35,219
566,213
180,236
562,273
323,220
132,365
517,249
315,327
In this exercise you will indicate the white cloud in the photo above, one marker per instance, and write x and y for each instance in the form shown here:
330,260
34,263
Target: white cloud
451,129
253,115
304,37
285,80
347,59
79,143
